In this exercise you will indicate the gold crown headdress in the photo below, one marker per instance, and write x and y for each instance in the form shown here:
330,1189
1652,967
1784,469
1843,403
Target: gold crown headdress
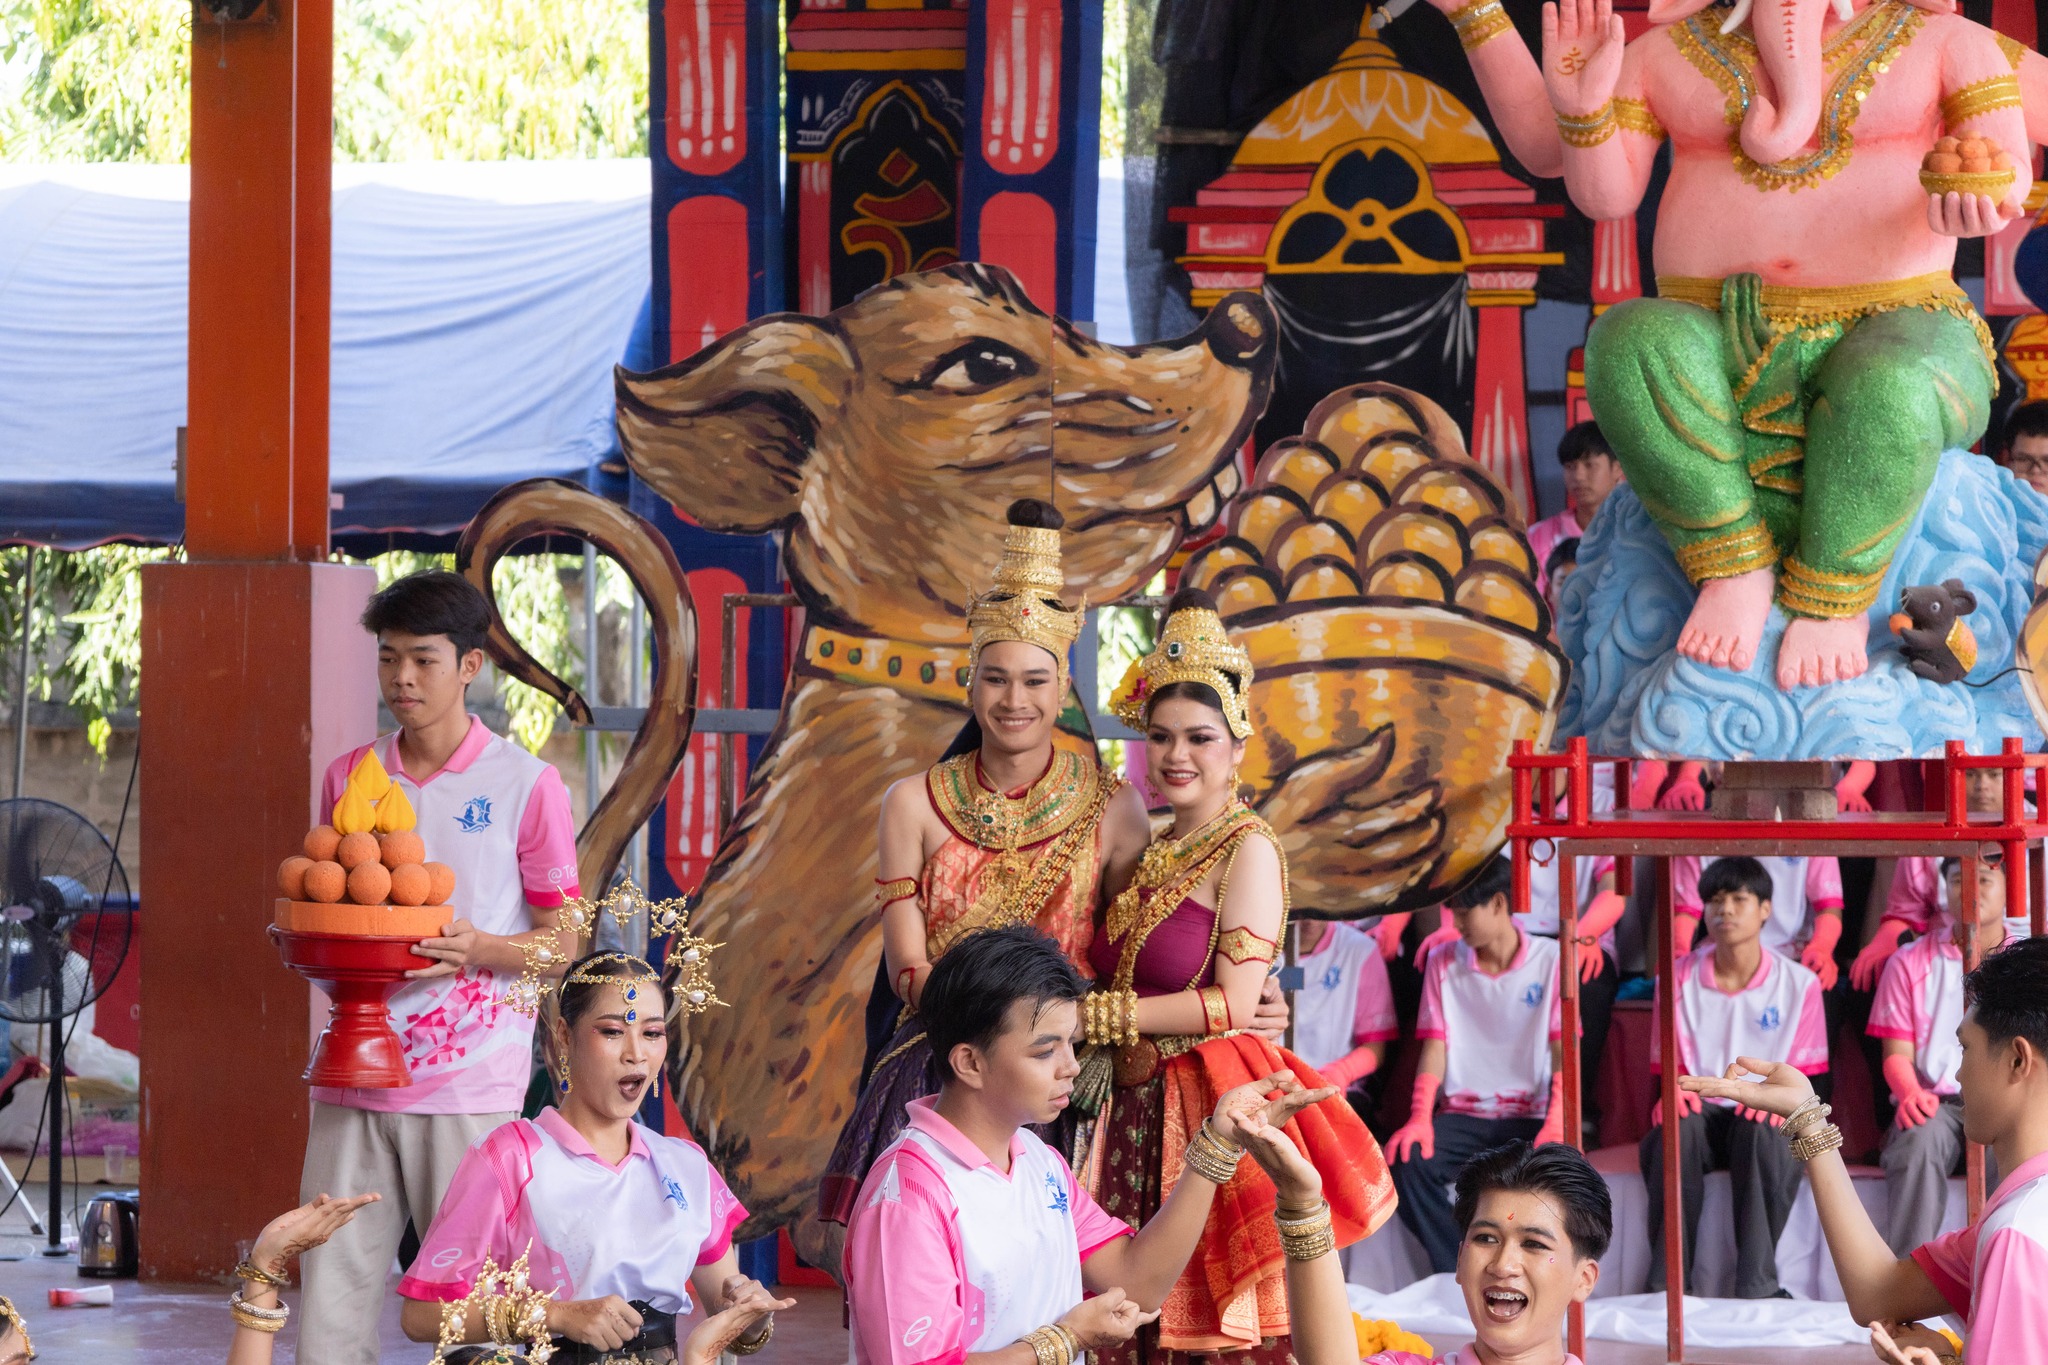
1193,647
689,955
509,1307
1024,603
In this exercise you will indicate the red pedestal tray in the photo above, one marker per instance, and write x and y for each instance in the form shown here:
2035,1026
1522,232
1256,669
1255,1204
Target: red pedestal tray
358,972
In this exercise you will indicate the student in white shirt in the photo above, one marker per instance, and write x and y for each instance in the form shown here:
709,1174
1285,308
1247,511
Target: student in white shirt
1735,1000
1344,1011
1488,1027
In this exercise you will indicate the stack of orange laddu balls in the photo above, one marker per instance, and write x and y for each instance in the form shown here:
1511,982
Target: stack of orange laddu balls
367,872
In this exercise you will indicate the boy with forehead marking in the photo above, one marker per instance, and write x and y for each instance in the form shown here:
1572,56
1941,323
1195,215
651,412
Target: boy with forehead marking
971,1240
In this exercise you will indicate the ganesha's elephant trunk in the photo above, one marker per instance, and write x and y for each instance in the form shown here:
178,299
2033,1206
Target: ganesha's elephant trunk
1784,109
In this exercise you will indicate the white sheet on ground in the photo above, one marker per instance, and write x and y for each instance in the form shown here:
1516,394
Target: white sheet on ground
1434,1308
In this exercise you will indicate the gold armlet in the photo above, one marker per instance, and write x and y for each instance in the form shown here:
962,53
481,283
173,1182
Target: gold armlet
1215,1010
1634,116
1241,945
1480,21
1981,97
897,889
1589,131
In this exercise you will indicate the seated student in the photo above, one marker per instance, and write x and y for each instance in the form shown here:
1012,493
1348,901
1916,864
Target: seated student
629,1227
1533,1224
1488,1028
1806,909
1735,999
1917,902
1919,1004
1992,1272
971,1237
1344,1011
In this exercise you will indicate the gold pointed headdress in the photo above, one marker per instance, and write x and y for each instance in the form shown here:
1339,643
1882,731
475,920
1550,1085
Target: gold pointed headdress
1193,647
1024,602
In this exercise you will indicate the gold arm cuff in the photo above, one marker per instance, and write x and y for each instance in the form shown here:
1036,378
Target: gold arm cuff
1480,22
1241,945
1215,1010
1634,116
1590,131
1806,591
1999,92
1729,554
898,889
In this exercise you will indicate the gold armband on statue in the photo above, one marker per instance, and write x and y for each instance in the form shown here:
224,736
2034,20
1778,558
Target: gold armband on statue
1999,92
1591,130
1241,945
1634,116
1479,21
1215,1011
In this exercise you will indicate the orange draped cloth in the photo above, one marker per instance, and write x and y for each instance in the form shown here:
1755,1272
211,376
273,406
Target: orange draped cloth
1234,1290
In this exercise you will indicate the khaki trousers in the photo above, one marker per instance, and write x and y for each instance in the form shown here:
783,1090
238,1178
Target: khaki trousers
407,1158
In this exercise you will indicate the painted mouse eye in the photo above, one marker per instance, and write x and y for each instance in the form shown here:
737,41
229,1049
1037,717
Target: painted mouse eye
978,367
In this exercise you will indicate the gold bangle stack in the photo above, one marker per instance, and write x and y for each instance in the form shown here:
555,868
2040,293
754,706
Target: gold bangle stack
270,1321
1053,1344
745,1346
1307,1237
1591,130
249,1270
1809,1131
1110,1018
1210,1157
1479,21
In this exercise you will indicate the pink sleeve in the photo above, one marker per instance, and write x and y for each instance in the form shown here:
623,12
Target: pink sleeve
475,1217
547,843
1948,1262
1094,1227
1824,883
727,1213
1373,1019
2009,1315
1429,1020
1396,1358
904,1274
1915,899
1809,1050
1557,999
337,778
1685,888
1891,1009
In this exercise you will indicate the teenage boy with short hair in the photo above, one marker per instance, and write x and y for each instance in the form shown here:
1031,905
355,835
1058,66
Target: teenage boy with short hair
1735,999
971,1240
1919,1003
500,818
1590,473
1806,909
1488,1026
1992,1272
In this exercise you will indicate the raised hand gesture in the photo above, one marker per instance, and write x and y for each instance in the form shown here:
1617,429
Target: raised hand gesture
746,1307
1271,1099
1582,46
1783,1089
303,1228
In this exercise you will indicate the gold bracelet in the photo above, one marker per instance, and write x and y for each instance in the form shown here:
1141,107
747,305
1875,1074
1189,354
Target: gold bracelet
1215,1011
249,1270
1591,130
1479,22
1050,1344
1807,1117
1128,1008
1810,1145
269,1320
743,1347
1309,1237
1210,1157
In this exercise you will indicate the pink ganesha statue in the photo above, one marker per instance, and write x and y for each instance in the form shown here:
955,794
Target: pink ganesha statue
1781,407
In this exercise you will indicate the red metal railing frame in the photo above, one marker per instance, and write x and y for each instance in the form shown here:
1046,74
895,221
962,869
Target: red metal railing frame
1626,834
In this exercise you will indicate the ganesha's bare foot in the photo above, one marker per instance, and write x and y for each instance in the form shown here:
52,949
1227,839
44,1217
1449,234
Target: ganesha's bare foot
1815,652
1728,620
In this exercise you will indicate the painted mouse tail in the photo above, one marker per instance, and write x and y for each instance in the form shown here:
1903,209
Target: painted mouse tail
556,506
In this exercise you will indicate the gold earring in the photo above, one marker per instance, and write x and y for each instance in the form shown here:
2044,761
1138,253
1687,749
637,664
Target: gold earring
565,1076
657,1082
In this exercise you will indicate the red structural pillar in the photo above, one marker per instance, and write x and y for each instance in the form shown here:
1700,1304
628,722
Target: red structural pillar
1500,404
254,672
1673,1193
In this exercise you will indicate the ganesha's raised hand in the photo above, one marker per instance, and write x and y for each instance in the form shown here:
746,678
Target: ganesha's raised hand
1582,46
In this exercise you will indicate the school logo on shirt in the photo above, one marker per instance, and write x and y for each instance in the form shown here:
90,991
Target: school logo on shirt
476,816
1333,977
1058,1192
1770,1019
672,1190
914,1333
1534,995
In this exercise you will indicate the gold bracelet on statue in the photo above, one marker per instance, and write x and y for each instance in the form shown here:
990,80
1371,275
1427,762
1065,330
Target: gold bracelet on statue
1307,1237
1210,1157
1591,130
1999,92
249,1270
1478,22
1215,1011
746,1346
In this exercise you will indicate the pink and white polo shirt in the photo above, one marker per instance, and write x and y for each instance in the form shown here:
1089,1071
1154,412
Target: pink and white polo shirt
499,817
588,1228
1497,1030
1776,1017
1920,999
1465,1355
1799,888
947,1255
1992,1272
1544,906
1545,536
1918,897
1344,999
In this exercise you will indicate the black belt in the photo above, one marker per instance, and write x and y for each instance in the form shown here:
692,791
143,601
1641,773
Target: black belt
657,1330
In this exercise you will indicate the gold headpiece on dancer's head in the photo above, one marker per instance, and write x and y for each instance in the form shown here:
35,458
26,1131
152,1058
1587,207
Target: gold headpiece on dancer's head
1193,647
10,1317
689,955
1024,603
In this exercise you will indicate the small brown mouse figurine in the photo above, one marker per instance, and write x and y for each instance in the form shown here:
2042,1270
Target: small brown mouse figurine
1929,624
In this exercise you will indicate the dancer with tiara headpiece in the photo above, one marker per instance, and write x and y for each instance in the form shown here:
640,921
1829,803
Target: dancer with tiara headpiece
1179,961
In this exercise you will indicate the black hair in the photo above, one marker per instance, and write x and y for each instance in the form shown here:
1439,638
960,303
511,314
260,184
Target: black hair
2028,419
1581,440
1565,552
577,998
1190,599
1497,878
1032,512
968,995
1556,1169
2008,993
1726,876
1994,858
432,602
